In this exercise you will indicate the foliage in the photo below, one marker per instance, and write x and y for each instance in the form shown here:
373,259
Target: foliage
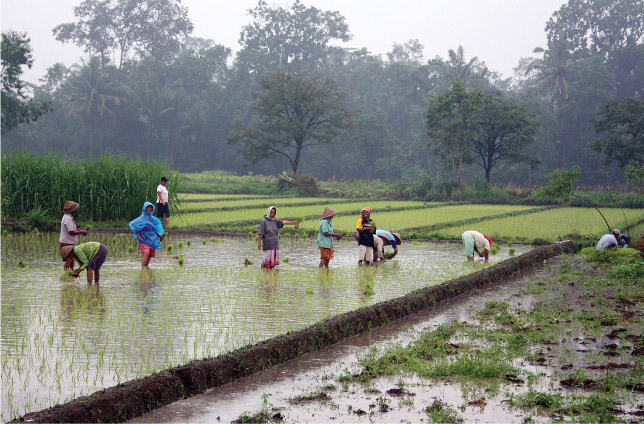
297,110
621,122
635,176
107,188
598,27
16,53
560,186
292,40
307,185
462,122
450,120
150,28
504,130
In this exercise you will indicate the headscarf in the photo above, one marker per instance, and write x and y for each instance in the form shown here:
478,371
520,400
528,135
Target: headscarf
268,212
365,210
489,239
149,226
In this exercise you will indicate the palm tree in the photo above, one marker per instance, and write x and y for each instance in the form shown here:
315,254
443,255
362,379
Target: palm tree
553,70
91,93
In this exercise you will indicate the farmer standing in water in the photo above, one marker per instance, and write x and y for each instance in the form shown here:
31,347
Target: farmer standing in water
148,230
268,229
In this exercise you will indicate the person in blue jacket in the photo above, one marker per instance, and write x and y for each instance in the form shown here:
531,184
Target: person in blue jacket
148,230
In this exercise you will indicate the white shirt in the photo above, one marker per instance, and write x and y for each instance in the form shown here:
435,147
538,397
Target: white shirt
607,240
68,224
164,194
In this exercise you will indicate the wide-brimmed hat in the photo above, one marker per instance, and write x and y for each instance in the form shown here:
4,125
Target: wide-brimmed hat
65,251
328,212
386,240
70,206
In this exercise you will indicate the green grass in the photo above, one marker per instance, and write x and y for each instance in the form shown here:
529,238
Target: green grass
107,188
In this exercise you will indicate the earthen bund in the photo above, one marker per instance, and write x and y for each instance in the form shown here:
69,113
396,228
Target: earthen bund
136,397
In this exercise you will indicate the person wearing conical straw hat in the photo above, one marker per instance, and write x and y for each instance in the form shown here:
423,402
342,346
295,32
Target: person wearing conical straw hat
325,237
268,238
385,238
90,256
69,231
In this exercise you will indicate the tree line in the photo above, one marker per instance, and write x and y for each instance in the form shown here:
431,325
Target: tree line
293,98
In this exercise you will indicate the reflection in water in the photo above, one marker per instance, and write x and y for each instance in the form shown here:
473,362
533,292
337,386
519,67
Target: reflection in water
146,295
83,303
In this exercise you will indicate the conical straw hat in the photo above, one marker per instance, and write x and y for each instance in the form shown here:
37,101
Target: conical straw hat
64,252
70,206
328,212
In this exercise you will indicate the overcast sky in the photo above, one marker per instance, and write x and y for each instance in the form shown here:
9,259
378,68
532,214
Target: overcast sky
498,32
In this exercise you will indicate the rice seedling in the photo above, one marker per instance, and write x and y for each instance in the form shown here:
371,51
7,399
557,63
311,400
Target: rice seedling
169,248
512,251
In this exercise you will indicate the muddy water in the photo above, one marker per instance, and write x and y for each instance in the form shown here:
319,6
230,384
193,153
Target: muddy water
312,372
62,338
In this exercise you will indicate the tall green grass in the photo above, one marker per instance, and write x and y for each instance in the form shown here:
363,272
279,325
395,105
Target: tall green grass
107,188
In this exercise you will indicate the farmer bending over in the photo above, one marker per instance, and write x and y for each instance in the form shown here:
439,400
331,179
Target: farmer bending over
473,241
90,257
609,241
385,238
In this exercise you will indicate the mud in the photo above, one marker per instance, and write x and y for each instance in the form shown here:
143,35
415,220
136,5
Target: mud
135,397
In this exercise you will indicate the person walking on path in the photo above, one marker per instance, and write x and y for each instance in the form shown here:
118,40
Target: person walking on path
609,241
148,230
69,231
90,256
385,238
268,238
325,237
366,230
473,241
163,210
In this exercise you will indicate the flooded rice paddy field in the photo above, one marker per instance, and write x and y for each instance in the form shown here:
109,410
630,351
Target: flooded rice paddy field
577,369
62,338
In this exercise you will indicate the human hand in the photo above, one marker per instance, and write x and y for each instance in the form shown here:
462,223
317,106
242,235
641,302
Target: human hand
76,273
161,238
338,237
259,246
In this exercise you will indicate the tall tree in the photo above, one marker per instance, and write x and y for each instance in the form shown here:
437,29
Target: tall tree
93,94
621,127
552,71
16,53
473,73
296,111
505,129
451,123
292,40
153,28
598,27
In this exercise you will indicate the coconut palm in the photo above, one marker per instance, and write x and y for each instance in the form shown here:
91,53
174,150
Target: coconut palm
553,70
91,93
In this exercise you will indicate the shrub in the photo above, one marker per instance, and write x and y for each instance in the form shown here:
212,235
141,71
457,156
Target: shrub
307,185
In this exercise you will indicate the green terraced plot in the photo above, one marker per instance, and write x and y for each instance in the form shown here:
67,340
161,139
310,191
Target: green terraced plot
291,212
255,202
552,224
201,196
397,220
